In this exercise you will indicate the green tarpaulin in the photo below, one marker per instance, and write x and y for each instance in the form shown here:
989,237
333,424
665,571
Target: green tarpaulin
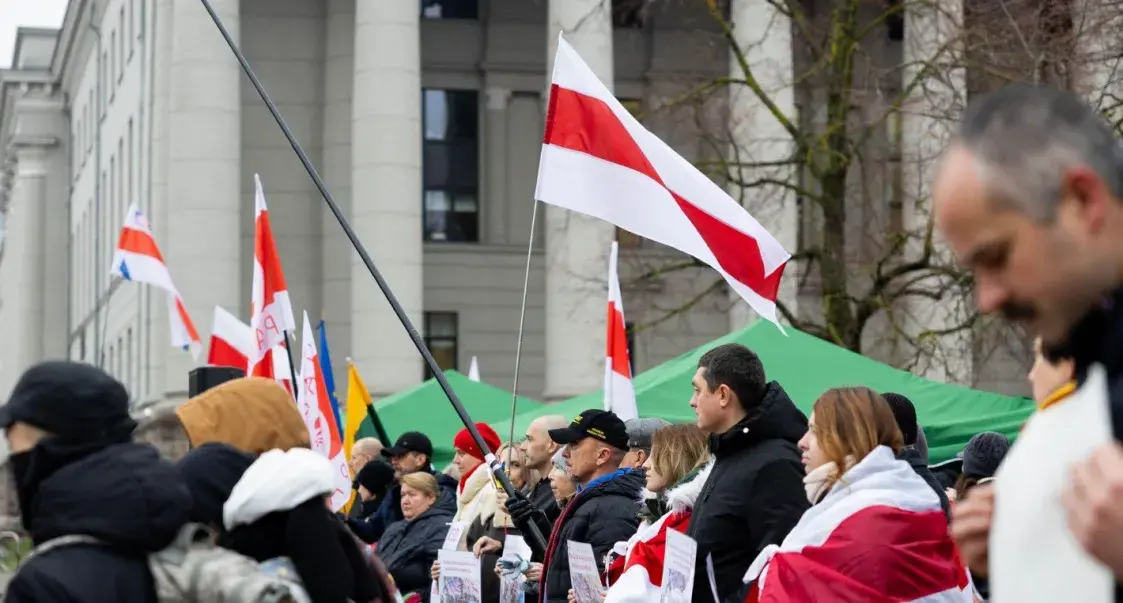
426,409
806,367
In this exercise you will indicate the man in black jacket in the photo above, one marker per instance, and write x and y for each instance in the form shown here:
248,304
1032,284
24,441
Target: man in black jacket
77,472
754,495
905,413
603,512
539,450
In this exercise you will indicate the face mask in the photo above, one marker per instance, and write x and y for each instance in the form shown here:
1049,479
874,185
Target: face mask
31,468
19,470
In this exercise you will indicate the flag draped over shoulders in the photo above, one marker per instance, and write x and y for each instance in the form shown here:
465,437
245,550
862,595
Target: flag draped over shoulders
642,576
879,536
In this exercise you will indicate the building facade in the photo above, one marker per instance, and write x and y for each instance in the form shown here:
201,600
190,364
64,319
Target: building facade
424,121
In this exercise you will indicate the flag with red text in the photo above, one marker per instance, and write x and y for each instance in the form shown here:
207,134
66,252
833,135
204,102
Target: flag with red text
879,535
315,406
137,258
232,344
271,314
599,161
619,394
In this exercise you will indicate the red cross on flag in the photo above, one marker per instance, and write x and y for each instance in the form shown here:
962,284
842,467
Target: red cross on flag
598,160
619,395
270,311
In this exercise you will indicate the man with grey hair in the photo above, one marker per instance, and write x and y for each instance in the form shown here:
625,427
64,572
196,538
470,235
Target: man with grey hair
640,432
1029,197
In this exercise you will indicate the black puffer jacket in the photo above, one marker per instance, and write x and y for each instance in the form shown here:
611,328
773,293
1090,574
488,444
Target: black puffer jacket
754,495
126,497
409,548
913,458
543,498
600,515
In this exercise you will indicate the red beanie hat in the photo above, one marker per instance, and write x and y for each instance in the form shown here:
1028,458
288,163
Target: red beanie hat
465,443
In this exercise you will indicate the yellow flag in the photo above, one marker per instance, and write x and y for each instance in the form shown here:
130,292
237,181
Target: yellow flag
358,398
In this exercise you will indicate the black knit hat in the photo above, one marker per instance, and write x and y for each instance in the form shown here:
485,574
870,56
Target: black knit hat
984,453
905,414
377,477
210,473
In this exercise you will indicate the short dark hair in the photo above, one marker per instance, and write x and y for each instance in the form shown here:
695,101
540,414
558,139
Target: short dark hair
904,411
738,368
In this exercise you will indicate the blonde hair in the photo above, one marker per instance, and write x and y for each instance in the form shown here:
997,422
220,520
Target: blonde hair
850,422
422,482
512,453
676,450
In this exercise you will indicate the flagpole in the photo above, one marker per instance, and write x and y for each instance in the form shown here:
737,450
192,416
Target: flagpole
292,367
522,323
418,342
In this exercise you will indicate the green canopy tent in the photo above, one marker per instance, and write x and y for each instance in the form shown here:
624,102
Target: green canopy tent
425,408
806,366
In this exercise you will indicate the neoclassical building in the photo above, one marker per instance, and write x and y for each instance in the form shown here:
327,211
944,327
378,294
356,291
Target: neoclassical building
425,120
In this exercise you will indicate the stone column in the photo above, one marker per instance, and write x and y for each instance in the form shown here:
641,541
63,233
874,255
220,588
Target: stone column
495,162
758,137
204,199
928,121
336,171
386,190
24,248
577,245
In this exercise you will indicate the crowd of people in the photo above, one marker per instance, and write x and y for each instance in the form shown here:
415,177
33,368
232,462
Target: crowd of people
839,504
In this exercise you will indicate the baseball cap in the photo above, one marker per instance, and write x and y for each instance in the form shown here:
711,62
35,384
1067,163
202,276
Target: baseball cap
72,400
640,431
410,441
600,425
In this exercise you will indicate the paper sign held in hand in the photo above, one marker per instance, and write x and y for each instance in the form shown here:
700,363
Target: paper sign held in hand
587,586
678,568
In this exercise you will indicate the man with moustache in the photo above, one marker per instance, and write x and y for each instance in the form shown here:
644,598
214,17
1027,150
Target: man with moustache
1029,196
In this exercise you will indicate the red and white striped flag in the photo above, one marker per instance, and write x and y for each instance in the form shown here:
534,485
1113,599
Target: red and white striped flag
598,160
877,537
619,395
315,406
642,577
232,343
271,314
137,258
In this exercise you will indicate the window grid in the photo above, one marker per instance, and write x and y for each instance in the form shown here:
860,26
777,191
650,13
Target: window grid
442,338
450,123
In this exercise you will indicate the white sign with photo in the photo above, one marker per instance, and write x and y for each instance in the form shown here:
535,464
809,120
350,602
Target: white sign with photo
583,574
460,580
678,568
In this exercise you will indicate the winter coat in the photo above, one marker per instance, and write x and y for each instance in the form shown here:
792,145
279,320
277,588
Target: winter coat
641,567
754,494
125,496
542,495
913,458
277,510
409,547
371,527
475,500
253,415
601,514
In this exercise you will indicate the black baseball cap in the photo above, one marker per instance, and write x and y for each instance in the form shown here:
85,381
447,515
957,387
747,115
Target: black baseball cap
410,441
72,400
600,425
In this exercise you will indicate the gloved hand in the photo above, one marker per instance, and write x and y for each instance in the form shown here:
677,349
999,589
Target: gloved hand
524,514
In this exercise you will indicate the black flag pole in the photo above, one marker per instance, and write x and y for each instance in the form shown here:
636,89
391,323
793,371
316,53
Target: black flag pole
418,342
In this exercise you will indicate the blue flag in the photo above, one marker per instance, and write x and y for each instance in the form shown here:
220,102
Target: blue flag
329,378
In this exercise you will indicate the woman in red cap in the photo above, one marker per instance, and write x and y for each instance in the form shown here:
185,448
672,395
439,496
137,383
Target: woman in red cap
476,495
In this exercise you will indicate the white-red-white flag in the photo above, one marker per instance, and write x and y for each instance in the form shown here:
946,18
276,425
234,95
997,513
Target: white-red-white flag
598,160
619,394
878,535
271,314
315,406
232,344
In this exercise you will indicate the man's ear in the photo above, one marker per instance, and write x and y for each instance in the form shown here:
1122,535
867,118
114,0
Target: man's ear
724,395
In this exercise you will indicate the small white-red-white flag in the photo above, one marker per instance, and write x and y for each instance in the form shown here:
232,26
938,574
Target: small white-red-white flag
474,370
232,343
315,406
271,314
619,395
598,160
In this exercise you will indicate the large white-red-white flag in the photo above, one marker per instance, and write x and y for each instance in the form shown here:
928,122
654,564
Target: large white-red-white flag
598,160
137,258
232,344
271,314
878,536
315,406
619,395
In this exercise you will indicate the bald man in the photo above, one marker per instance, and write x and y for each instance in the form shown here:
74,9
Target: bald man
362,452
539,450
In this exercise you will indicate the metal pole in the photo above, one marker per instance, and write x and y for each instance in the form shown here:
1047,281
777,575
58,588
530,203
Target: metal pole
522,322
426,355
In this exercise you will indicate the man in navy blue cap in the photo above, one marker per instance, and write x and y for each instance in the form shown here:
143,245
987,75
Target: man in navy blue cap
77,472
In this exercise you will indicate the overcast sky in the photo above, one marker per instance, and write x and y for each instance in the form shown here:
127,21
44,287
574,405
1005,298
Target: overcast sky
25,13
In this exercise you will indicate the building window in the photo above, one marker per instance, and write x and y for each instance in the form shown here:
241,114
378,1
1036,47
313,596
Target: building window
112,64
630,337
82,345
450,9
441,336
628,14
132,27
451,165
129,194
130,365
90,122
